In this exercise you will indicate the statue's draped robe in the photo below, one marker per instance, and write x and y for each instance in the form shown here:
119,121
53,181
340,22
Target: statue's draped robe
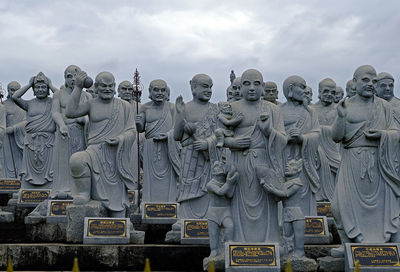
366,203
306,121
195,169
37,161
254,210
112,171
64,147
328,152
2,136
160,160
13,144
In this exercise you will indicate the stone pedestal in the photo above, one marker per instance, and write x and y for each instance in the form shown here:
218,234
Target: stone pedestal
330,264
76,219
6,217
302,264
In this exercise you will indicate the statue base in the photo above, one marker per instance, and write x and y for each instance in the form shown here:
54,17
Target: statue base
331,264
302,264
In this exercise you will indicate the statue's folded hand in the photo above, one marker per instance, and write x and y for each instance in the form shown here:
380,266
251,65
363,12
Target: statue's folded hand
112,141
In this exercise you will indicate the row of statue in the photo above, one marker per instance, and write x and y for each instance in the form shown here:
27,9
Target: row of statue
230,163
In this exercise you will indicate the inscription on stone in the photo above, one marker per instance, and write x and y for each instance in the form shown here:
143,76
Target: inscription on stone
324,209
154,210
196,229
34,196
252,255
10,185
369,255
315,226
132,197
106,227
59,208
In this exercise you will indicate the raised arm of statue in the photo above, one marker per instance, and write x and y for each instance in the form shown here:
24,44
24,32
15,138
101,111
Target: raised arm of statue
57,115
53,88
340,121
22,103
179,122
74,107
140,120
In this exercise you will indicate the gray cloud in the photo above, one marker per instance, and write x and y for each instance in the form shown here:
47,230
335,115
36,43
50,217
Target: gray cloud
174,40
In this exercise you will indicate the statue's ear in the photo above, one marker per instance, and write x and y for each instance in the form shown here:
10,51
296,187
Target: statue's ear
290,92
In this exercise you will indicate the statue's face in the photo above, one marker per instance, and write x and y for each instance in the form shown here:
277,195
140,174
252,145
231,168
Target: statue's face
350,91
252,86
69,80
299,92
308,94
327,94
40,90
202,89
106,88
229,93
270,93
125,91
384,89
12,89
158,92
364,84
237,93
338,95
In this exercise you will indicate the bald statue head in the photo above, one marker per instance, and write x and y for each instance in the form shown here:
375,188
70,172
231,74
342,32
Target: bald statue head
308,94
363,81
294,89
125,90
12,87
104,85
236,88
339,94
69,75
270,91
326,91
350,91
201,85
384,86
158,91
252,85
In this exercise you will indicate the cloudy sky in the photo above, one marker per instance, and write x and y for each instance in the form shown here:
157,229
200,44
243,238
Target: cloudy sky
174,40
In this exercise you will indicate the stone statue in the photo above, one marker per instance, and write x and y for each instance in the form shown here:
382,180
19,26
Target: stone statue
232,76
328,151
91,91
229,93
125,91
37,163
13,143
259,139
293,218
194,127
350,91
384,85
339,94
302,128
220,189
227,122
237,93
69,136
365,205
104,171
308,93
161,153
3,125
271,92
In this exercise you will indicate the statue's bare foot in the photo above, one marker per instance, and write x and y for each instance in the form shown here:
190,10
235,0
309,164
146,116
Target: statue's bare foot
337,252
298,253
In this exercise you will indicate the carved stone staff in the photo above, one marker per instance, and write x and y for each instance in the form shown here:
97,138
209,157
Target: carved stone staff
138,93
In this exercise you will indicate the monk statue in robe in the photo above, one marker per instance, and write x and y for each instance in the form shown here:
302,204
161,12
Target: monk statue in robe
328,151
339,94
37,162
2,134
69,136
365,205
104,171
308,94
258,139
237,93
13,144
161,153
194,127
229,93
302,128
271,92
350,91
384,86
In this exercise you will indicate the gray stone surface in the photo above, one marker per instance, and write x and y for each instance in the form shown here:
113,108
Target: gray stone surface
75,219
301,264
43,232
6,217
219,263
111,131
330,264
